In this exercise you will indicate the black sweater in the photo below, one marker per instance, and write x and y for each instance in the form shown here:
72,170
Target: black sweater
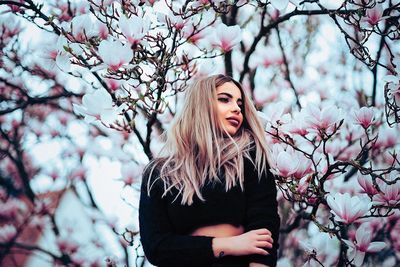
165,226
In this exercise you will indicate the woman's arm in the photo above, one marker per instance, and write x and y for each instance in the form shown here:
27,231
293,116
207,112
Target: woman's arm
262,210
160,244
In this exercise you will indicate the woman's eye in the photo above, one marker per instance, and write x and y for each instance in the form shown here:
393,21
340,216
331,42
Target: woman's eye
223,99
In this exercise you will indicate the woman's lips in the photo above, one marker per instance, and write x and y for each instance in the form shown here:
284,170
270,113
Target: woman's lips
234,122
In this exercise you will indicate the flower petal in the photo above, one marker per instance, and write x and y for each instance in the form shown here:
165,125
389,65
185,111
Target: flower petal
376,246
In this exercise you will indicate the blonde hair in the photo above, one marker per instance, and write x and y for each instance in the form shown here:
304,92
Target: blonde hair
197,146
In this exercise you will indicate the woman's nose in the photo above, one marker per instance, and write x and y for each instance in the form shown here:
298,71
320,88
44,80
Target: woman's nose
236,108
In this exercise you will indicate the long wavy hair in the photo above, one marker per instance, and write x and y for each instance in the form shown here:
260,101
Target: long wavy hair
198,148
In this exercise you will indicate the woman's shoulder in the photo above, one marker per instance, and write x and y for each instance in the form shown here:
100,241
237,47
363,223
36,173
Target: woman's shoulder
256,160
249,154
151,176
151,170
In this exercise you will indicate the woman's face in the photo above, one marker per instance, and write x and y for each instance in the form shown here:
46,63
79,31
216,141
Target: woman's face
229,107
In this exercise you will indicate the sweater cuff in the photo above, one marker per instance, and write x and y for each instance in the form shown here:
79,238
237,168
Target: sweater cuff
208,251
269,260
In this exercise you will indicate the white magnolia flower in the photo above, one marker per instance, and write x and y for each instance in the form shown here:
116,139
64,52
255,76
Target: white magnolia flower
346,208
279,4
282,4
329,4
82,27
134,28
226,37
98,106
284,162
131,173
362,245
115,54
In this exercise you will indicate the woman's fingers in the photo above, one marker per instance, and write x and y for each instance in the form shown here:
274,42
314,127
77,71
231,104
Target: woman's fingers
264,244
263,231
261,251
265,238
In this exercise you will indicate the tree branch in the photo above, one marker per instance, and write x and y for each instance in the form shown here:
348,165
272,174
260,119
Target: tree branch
287,70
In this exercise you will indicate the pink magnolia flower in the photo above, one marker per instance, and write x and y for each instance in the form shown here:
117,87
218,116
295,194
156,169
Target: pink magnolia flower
346,208
362,245
387,138
388,159
283,163
63,10
364,117
335,147
305,166
16,8
63,62
102,30
131,173
390,193
113,84
324,119
303,184
276,114
297,125
193,34
286,164
373,16
54,55
226,37
366,184
10,26
115,54
134,28
393,81
169,18
262,97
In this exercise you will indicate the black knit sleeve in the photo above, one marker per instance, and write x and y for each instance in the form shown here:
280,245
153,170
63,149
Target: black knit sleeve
161,245
262,210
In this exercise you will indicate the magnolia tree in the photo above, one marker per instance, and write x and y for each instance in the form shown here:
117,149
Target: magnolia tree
102,79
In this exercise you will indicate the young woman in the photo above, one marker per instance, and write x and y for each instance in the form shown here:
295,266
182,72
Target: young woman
209,199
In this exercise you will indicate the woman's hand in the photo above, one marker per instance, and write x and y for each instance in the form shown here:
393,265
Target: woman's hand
251,242
254,264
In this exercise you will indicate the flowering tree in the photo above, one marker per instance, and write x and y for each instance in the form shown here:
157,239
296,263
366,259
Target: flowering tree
325,76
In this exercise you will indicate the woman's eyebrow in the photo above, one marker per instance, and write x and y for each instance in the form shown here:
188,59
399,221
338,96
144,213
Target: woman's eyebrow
229,95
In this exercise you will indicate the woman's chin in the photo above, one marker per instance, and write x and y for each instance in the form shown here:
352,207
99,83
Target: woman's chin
232,132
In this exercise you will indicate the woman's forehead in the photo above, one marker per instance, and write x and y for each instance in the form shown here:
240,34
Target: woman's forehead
231,89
